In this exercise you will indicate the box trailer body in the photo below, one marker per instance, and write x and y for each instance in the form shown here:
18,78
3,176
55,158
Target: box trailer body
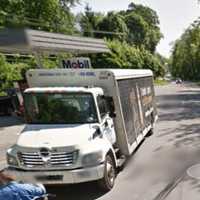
133,116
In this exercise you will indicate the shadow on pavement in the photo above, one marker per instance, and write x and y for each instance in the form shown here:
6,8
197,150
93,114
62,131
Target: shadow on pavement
184,136
179,107
84,191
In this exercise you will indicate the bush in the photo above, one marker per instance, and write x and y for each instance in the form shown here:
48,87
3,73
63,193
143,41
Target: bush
125,56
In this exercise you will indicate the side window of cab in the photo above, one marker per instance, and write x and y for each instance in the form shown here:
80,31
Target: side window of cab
103,107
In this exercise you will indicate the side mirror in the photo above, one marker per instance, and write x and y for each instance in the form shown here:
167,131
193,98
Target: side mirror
110,103
97,133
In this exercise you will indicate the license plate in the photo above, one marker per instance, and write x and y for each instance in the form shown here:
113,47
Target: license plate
49,178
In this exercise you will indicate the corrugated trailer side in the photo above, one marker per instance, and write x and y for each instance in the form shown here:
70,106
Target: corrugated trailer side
138,106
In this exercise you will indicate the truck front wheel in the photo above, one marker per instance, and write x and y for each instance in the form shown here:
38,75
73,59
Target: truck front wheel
108,181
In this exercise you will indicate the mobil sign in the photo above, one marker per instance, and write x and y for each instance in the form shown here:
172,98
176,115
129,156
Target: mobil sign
76,63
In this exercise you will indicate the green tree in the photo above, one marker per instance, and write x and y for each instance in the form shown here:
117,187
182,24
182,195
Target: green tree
149,15
186,54
143,24
125,56
132,37
89,21
138,25
50,15
114,26
138,29
10,72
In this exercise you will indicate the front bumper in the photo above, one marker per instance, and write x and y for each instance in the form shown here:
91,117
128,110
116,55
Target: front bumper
59,177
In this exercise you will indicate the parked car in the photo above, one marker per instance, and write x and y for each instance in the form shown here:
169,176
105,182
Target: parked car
179,81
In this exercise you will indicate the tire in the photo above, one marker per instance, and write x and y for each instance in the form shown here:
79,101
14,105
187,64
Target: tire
108,181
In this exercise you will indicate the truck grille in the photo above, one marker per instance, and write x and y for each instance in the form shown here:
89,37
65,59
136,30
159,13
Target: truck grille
55,159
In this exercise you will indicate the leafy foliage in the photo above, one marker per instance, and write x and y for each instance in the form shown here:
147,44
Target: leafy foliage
89,21
143,25
125,56
115,23
10,72
138,25
138,29
132,37
15,70
49,15
186,54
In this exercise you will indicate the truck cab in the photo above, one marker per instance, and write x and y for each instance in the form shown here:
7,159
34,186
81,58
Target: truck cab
69,129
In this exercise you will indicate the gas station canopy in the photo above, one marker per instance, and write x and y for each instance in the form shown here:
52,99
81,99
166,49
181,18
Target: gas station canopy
29,41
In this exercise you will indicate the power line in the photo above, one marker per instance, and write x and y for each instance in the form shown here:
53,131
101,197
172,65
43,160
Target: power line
106,32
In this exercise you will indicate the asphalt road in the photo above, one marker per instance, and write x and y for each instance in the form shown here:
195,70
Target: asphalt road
158,164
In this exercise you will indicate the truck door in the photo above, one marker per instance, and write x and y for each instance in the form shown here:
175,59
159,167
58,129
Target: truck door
107,123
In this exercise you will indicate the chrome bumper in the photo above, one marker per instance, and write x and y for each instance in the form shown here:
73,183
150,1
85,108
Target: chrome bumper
59,177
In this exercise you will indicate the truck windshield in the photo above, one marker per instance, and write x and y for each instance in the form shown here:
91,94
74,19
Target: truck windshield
60,108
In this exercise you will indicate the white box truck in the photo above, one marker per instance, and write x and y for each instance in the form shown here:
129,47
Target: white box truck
81,123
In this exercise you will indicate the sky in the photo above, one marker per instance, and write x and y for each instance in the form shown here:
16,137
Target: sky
175,15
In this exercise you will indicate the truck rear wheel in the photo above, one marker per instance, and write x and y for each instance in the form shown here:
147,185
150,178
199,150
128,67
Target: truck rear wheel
108,181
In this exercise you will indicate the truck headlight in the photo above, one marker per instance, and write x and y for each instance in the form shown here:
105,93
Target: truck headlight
11,160
92,159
